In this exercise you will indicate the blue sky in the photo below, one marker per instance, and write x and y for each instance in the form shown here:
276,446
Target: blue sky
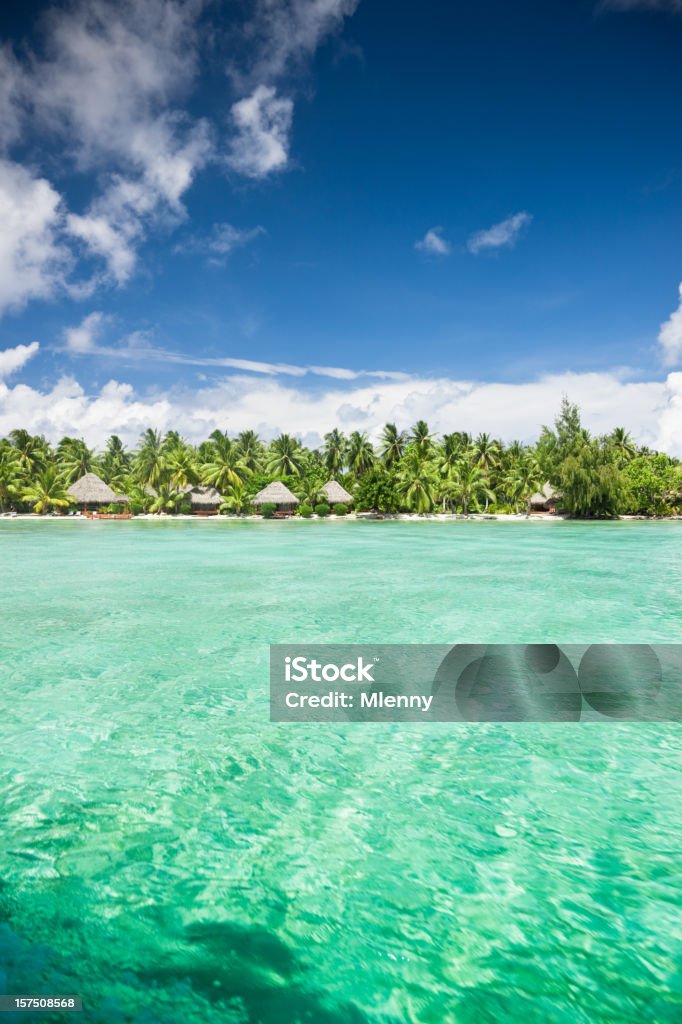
459,210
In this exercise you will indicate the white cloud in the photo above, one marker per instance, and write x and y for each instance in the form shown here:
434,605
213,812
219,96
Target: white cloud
263,122
112,68
12,359
433,243
109,85
670,336
10,99
502,235
105,89
138,347
83,338
33,262
222,240
279,37
283,33
652,410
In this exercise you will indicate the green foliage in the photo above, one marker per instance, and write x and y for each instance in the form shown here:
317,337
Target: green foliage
653,485
377,491
591,483
322,510
409,470
268,509
48,491
340,509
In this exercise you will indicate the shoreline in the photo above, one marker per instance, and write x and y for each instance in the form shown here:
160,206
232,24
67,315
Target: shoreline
442,517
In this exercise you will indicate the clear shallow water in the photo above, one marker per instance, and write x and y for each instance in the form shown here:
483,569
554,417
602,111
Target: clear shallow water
171,856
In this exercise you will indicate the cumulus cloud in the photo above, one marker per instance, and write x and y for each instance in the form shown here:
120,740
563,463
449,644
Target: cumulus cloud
12,359
653,408
110,84
499,236
670,336
83,337
263,122
433,243
276,41
33,261
105,86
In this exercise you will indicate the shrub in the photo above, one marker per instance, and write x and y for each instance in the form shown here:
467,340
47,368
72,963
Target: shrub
268,509
340,509
322,509
305,511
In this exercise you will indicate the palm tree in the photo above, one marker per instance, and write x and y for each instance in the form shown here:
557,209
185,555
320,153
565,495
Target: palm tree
334,452
361,455
525,479
286,456
451,449
236,501
622,443
167,498
47,491
115,462
309,491
34,451
227,467
75,458
393,442
421,437
487,452
251,449
150,461
418,480
10,473
469,483
181,464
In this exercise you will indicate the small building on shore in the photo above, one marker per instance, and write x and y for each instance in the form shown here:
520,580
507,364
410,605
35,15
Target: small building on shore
277,494
204,501
335,494
545,500
91,493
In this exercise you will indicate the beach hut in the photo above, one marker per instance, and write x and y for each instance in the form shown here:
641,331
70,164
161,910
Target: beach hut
90,492
204,501
335,494
544,500
277,494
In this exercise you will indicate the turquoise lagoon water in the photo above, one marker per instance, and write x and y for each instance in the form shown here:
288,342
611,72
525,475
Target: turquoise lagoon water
170,855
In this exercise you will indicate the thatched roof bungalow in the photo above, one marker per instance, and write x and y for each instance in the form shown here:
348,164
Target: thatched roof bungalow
92,492
336,494
545,500
277,494
203,500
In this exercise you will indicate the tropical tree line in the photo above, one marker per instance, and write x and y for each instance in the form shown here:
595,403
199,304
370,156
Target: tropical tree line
407,470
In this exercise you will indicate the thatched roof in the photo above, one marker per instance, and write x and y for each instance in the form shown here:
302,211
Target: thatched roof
336,494
544,497
91,490
277,493
203,497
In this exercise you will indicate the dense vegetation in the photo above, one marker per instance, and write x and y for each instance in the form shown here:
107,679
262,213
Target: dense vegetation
407,471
